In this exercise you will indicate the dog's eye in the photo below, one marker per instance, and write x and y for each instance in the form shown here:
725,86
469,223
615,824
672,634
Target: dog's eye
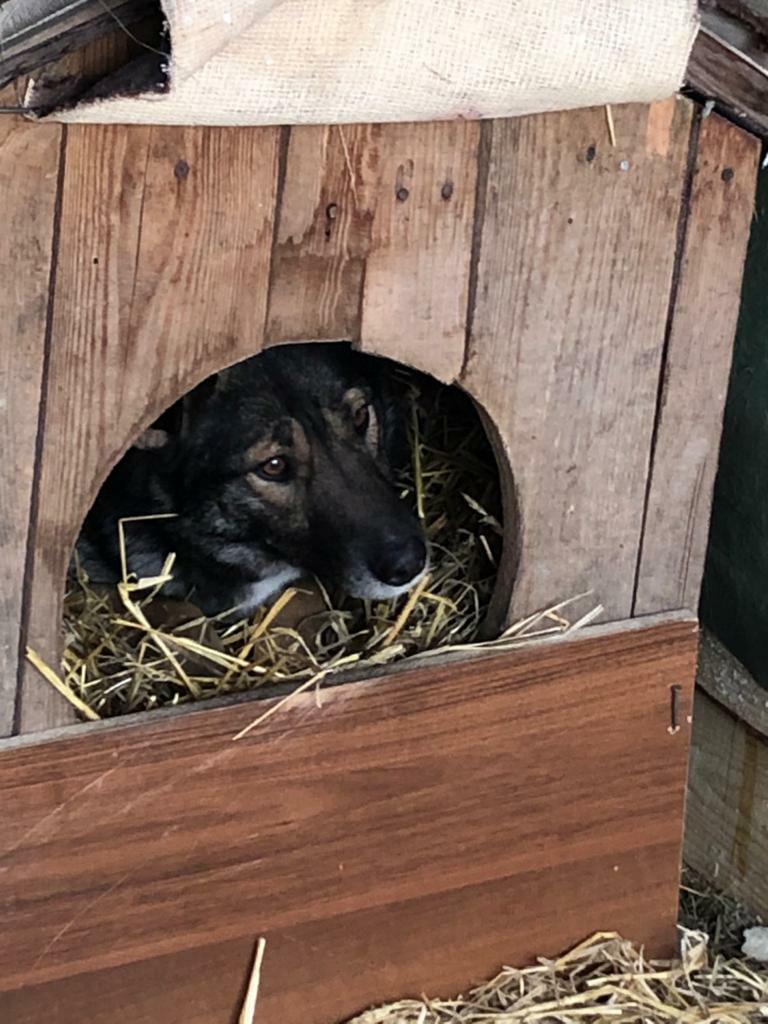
361,417
276,468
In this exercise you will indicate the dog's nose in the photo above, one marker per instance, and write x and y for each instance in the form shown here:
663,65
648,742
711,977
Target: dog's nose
400,561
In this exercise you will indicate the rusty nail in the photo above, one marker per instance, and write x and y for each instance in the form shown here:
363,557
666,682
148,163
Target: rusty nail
675,692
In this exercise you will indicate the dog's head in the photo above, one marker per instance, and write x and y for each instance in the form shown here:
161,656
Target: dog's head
293,452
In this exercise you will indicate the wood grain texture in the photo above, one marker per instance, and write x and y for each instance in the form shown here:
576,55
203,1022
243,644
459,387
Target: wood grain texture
723,678
573,283
162,280
715,71
374,240
411,833
726,835
38,31
323,236
29,167
696,369
417,274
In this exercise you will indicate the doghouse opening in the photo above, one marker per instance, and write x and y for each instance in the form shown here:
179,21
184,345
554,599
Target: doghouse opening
132,648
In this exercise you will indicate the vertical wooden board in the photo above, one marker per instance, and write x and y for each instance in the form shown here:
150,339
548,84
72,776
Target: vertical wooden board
726,833
371,840
161,280
417,274
697,367
727,808
29,168
574,274
374,240
323,235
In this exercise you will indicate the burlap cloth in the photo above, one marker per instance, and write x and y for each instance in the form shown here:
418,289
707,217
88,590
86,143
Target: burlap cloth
252,62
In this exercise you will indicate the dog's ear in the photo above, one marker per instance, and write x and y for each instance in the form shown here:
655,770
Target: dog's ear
193,403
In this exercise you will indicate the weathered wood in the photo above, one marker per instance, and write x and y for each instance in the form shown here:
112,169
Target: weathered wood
739,86
417,274
723,678
412,832
726,836
696,370
35,32
323,236
573,281
29,168
374,240
750,12
162,280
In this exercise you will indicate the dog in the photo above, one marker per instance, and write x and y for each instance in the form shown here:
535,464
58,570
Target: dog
280,466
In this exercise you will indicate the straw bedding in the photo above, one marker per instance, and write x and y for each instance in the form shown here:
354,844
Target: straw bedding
604,979
129,650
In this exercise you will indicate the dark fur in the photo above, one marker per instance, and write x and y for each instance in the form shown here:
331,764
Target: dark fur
239,538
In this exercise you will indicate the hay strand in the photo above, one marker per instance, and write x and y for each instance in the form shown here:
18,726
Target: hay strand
604,978
248,1012
58,683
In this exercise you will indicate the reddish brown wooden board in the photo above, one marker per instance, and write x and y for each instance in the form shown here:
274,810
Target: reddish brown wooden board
410,834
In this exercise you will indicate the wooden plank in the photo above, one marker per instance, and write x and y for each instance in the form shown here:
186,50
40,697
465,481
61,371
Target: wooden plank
411,833
417,274
574,273
29,168
739,87
374,240
723,678
726,836
324,234
753,13
161,282
697,367
35,32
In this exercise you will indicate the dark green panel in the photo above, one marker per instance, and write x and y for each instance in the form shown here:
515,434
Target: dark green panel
735,595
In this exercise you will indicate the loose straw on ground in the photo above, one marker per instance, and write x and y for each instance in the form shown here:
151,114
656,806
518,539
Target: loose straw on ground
604,978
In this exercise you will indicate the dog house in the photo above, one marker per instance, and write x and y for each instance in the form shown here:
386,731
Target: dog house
579,277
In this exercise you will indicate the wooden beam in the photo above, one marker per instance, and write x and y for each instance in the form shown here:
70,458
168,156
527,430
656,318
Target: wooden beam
35,32
751,13
412,832
726,836
735,77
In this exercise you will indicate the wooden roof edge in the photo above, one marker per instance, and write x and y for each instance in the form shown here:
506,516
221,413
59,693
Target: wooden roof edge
34,33
729,62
